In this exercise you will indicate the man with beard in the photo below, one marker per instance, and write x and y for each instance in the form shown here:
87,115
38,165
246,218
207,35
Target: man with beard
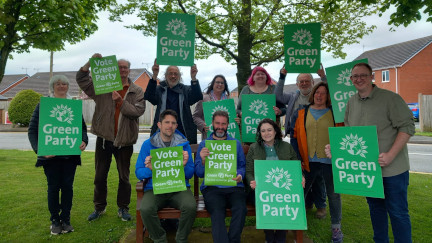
218,198
173,94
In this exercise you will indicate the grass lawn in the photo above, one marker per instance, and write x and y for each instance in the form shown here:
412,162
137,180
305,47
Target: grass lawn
24,215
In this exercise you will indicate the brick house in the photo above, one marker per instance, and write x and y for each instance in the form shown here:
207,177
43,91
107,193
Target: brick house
404,68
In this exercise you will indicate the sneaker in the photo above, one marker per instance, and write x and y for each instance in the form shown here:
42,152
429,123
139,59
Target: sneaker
123,213
66,227
95,215
321,213
337,236
56,228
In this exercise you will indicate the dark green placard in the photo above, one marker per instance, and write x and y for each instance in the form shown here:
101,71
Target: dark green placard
279,195
60,126
227,105
176,39
105,74
356,170
302,46
221,164
255,108
341,88
168,170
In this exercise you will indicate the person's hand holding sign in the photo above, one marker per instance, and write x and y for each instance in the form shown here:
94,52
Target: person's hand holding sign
238,178
148,163
204,153
185,157
155,70
193,72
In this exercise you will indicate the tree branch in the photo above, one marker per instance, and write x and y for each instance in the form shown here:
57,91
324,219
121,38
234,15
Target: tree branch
264,23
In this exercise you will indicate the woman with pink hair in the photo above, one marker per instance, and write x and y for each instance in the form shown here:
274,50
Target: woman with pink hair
260,82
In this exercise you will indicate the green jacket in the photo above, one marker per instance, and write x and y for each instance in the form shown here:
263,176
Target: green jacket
284,151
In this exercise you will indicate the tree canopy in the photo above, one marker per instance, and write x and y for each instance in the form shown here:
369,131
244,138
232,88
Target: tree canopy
250,32
45,24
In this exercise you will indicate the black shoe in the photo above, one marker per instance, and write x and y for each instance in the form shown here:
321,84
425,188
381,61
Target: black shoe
123,213
96,214
66,227
56,228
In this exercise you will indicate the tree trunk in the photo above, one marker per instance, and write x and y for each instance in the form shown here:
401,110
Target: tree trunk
244,45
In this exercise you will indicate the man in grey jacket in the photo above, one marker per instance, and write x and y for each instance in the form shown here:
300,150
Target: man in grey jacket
115,123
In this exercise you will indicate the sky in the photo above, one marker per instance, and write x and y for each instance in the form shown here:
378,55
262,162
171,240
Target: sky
112,38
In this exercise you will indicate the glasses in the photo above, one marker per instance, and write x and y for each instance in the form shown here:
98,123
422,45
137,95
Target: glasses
361,76
219,82
304,82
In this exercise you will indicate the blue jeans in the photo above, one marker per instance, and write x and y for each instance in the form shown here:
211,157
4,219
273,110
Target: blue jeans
317,195
395,205
335,203
217,200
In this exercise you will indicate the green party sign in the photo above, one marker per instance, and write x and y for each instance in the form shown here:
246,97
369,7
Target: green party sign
302,46
221,164
279,196
255,108
105,74
176,39
60,126
227,105
340,87
168,170
356,170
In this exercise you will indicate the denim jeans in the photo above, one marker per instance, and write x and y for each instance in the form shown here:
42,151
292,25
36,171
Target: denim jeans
217,200
335,203
60,175
317,195
395,205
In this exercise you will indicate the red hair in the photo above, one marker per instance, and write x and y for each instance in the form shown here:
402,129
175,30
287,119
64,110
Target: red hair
250,81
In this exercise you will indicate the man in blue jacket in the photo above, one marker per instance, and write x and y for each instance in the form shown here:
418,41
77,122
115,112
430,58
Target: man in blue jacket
218,198
166,136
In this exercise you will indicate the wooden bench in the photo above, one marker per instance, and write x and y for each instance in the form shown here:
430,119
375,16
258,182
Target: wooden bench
172,213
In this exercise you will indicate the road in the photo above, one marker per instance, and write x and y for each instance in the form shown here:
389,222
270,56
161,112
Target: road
420,154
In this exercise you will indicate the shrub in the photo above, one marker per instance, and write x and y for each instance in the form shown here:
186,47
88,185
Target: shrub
22,106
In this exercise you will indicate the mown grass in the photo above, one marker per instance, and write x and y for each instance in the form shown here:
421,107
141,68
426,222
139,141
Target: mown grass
24,215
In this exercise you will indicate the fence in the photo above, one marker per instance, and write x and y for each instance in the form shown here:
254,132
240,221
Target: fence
425,116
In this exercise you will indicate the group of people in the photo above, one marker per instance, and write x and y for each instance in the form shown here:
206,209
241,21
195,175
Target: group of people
308,115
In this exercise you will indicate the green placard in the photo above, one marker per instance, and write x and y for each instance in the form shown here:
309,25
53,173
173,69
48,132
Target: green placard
105,74
302,46
60,126
255,108
356,170
168,171
227,105
279,195
176,39
340,87
221,164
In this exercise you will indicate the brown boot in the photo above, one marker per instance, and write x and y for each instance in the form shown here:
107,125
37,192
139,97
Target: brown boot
321,213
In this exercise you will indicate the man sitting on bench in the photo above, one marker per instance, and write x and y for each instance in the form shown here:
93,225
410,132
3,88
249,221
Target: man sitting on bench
218,198
166,136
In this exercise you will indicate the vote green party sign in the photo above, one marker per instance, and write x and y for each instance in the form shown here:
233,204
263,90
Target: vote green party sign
60,126
167,170
356,170
279,196
176,39
302,46
255,108
105,74
221,164
227,105
340,87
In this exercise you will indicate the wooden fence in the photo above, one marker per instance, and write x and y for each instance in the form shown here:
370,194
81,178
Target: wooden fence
425,116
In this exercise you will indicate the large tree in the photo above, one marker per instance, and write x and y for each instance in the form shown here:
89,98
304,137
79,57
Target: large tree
250,32
44,24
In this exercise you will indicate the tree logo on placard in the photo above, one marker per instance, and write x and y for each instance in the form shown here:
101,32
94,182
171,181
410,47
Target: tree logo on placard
354,145
302,37
220,108
259,107
279,178
344,77
62,113
177,27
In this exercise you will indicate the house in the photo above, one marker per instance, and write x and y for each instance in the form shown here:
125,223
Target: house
404,68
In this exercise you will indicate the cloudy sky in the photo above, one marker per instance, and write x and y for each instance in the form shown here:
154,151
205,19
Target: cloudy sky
114,39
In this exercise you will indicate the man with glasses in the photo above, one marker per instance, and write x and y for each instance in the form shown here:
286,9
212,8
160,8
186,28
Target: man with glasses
115,123
172,94
386,110
293,101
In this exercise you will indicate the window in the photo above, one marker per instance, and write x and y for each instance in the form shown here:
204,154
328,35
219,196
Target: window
385,76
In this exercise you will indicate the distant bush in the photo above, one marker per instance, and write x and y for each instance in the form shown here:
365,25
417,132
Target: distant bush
22,106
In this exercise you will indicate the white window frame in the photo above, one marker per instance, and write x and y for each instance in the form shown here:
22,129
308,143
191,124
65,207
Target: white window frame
385,74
